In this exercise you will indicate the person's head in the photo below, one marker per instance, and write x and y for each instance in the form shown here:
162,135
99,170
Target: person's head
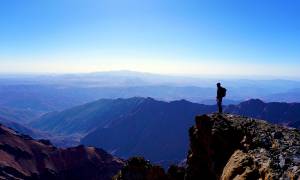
218,84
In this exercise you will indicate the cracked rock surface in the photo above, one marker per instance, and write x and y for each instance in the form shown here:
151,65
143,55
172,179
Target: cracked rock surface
235,147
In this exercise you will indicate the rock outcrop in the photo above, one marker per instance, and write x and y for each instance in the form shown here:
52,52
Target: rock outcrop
21,157
229,147
234,147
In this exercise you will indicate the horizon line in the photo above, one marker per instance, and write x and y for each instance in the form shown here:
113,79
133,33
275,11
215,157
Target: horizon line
182,75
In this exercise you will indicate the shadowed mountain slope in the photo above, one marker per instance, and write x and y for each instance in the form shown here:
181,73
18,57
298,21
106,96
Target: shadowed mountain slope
85,118
127,127
156,130
24,158
18,115
21,128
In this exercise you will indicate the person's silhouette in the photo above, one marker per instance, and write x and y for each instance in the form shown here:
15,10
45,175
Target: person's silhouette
221,93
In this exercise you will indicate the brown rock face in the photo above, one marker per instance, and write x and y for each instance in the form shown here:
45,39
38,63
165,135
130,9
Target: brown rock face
234,147
212,143
240,166
24,158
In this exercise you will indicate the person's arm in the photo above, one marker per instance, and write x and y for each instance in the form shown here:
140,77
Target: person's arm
218,94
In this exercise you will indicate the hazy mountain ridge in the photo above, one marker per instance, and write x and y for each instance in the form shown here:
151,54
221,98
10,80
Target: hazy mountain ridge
144,119
41,98
18,120
105,112
85,118
56,92
274,112
21,116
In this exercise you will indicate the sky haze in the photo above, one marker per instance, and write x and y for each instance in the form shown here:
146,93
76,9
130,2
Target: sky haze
170,37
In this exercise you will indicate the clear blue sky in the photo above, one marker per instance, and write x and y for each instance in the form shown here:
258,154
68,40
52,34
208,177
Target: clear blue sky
230,37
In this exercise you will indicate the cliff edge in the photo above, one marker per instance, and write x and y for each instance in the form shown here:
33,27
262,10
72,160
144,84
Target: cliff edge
235,147
226,147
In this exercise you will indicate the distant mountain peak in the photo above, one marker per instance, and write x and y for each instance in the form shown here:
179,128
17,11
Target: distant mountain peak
253,101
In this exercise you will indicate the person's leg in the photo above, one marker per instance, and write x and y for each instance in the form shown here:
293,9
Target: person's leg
220,105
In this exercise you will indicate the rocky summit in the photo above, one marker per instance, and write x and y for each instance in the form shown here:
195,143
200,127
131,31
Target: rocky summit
226,147
22,157
234,147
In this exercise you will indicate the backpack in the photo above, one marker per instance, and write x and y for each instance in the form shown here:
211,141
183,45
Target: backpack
223,92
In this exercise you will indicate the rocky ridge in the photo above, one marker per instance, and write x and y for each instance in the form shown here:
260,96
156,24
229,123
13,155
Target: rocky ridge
235,147
229,147
22,157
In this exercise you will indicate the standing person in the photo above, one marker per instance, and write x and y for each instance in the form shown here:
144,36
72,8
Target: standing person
221,93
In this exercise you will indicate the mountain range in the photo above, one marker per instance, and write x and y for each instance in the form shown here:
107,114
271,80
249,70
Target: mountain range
275,112
221,147
56,92
127,127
